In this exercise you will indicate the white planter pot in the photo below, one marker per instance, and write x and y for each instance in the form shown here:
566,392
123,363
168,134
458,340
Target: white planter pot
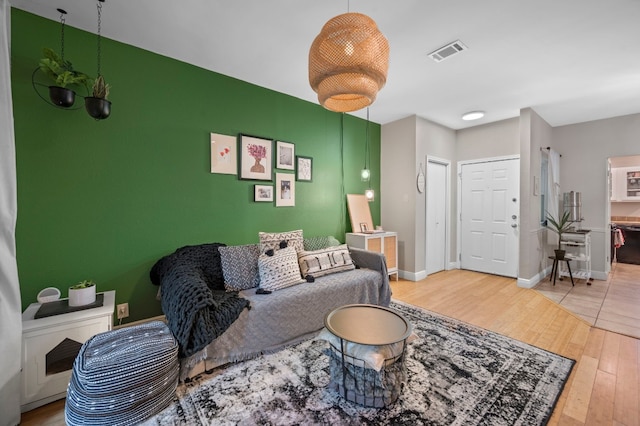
82,296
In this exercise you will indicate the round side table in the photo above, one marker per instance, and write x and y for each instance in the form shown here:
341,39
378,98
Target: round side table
374,326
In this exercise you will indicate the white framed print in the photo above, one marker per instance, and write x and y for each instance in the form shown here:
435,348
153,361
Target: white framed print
285,190
285,154
262,193
224,154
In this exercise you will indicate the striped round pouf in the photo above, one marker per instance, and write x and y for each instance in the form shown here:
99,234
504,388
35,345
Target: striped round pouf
124,376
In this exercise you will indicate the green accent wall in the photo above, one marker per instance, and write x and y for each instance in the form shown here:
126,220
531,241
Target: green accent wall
104,200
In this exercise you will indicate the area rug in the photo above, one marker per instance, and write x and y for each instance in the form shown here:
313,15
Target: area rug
457,374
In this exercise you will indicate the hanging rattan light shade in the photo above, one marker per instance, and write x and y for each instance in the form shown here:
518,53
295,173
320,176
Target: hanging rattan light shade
348,62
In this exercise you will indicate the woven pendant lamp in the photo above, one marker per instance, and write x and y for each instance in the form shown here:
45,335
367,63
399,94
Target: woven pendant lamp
348,62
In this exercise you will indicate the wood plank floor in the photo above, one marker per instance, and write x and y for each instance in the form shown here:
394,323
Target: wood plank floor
603,388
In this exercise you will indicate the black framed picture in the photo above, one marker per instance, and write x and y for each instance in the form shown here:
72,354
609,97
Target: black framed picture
304,169
256,156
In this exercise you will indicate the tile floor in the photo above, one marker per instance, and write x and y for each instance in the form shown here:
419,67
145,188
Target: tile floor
613,305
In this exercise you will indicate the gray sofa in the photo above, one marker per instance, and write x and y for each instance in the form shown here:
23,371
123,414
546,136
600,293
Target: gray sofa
271,321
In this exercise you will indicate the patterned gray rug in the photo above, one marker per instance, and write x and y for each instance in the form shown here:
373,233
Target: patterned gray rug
457,374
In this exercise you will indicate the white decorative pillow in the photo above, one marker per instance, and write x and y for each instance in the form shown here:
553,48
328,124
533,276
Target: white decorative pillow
373,356
280,270
326,261
272,240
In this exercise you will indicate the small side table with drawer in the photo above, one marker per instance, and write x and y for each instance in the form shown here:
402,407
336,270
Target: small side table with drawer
50,345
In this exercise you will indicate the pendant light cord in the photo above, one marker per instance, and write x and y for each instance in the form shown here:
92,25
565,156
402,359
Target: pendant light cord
343,225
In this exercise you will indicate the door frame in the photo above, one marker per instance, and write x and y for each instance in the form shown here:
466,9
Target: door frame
459,202
447,237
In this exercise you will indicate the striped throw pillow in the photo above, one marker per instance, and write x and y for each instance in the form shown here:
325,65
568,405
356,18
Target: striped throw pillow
326,261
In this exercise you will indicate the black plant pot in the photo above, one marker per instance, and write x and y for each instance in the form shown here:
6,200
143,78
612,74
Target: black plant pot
560,254
97,108
61,96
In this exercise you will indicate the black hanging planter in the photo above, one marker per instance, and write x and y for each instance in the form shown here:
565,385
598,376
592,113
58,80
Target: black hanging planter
97,108
61,96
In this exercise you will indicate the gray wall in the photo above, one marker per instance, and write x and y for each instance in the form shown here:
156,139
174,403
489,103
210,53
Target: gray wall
405,144
489,140
585,148
397,165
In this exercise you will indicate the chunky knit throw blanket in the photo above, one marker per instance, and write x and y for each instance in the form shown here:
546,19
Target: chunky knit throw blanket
197,307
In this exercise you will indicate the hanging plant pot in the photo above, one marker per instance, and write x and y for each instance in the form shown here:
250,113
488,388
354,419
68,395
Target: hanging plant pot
97,108
61,96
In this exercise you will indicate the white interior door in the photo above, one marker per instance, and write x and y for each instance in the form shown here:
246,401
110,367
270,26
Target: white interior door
436,216
489,215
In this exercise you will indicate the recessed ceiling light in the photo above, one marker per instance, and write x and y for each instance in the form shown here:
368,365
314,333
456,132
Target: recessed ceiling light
473,115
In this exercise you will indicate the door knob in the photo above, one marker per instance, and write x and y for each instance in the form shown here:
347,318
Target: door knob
514,225
514,217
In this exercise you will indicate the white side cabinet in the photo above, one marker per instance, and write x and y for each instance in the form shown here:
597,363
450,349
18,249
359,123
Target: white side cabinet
379,242
50,345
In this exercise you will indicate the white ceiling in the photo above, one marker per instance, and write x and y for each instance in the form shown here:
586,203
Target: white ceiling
570,60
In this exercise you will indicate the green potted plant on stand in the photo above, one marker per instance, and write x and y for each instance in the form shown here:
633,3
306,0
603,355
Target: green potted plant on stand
61,72
83,293
559,226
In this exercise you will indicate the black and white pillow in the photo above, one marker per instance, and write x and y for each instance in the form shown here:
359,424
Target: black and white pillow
280,270
326,261
240,266
272,240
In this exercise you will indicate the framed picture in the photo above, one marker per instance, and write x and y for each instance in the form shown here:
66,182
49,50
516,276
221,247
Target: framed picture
304,168
256,156
363,227
285,153
285,190
263,193
223,154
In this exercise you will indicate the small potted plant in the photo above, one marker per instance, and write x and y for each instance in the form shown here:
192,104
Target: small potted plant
61,72
559,226
83,293
97,105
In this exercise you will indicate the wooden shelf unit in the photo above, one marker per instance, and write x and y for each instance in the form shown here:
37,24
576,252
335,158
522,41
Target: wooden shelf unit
380,242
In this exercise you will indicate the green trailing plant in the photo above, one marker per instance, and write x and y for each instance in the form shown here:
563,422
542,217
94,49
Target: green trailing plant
60,71
83,284
100,88
559,226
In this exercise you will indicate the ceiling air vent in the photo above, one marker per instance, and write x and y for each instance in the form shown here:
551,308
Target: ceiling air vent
447,51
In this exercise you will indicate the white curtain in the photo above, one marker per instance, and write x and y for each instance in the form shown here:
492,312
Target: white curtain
10,304
553,190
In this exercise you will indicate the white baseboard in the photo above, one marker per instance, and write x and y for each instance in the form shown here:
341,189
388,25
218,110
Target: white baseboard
412,276
453,265
533,281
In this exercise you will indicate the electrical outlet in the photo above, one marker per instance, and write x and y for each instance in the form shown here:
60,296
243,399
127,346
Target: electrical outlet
123,310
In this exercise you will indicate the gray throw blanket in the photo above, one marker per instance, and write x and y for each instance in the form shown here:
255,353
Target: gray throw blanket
197,307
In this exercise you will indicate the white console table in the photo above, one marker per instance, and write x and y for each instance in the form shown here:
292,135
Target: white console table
379,242
50,345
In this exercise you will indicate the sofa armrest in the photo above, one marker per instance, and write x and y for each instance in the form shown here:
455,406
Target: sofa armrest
377,262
